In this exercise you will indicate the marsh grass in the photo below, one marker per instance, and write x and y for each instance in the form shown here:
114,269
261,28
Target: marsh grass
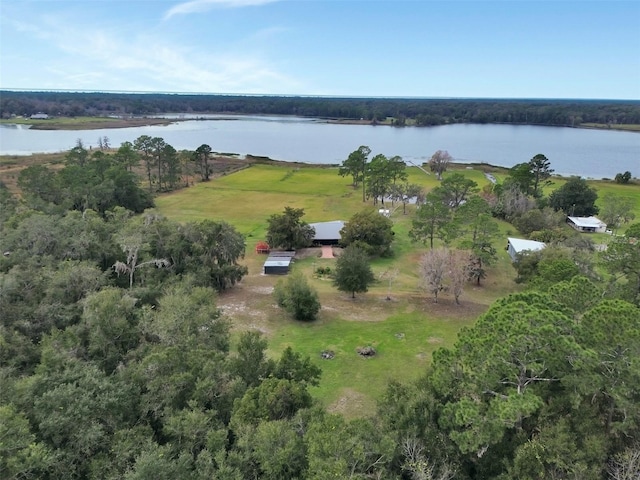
83,123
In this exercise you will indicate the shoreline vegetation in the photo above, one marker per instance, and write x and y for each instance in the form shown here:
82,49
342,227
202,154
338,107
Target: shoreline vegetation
87,110
227,163
96,123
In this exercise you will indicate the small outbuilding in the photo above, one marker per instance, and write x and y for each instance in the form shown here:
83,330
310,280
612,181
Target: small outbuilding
587,224
262,247
327,233
520,245
278,263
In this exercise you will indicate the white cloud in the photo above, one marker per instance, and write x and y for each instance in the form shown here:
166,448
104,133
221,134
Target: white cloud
149,62
198,6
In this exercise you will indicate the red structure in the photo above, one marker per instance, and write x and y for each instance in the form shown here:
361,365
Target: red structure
262,247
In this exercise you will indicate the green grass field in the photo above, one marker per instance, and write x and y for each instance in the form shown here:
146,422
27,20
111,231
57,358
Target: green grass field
405,330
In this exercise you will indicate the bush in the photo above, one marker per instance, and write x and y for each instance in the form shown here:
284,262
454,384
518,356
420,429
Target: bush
323,271
297,297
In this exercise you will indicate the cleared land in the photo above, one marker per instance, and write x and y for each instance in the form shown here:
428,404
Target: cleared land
405,330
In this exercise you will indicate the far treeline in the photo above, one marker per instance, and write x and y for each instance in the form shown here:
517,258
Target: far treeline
403,111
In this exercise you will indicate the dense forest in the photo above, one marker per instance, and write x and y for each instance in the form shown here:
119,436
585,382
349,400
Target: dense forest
421,111
115,361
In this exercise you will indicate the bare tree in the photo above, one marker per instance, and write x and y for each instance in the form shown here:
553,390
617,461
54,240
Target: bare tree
390,276
439,162
515,202
458,272
131,246
433,268
625,466
418,465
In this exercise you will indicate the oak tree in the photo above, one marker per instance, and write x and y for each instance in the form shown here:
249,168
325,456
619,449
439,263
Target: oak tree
288,231
353,272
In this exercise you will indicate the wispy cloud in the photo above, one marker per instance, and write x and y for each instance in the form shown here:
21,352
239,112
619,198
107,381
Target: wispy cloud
93,58
199,6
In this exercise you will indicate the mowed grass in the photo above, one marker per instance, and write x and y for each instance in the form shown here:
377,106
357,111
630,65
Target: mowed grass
249,197
630,190
404,342
405,330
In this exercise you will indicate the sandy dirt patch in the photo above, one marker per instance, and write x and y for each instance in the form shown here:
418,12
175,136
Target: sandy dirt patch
350,403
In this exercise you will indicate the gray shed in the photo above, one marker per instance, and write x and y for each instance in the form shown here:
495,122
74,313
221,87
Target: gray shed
277,265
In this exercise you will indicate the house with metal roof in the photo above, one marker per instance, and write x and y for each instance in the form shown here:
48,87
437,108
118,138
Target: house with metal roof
520,245
587,224
327,233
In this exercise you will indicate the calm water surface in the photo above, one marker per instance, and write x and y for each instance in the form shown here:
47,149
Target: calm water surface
590,153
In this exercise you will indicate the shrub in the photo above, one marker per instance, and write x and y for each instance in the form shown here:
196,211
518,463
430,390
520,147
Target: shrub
323,271
297,297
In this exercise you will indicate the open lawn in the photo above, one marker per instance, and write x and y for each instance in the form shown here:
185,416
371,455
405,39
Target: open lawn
630,190
405,330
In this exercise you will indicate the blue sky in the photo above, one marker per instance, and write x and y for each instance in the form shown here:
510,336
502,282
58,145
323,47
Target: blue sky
419,48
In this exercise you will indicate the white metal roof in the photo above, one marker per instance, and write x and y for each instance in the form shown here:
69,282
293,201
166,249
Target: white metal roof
587,222
278,262
520,244
328,230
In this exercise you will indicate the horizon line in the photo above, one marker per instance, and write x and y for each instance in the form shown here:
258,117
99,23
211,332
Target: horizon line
276,95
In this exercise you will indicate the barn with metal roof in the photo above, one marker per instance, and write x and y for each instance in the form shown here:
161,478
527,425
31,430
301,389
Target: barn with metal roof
327,233
520,245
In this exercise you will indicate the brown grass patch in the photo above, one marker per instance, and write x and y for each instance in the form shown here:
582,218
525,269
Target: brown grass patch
351,403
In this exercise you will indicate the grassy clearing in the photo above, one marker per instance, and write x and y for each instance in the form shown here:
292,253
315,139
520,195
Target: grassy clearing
630,190
405,330
404,342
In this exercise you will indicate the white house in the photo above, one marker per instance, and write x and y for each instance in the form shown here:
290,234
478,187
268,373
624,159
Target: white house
519,245
587,224
39,116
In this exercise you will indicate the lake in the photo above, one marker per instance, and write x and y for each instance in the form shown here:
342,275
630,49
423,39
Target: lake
572,151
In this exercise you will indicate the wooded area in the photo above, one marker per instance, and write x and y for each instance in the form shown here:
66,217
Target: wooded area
419,111
115,361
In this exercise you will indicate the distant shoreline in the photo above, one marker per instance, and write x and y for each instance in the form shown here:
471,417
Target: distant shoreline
96,123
